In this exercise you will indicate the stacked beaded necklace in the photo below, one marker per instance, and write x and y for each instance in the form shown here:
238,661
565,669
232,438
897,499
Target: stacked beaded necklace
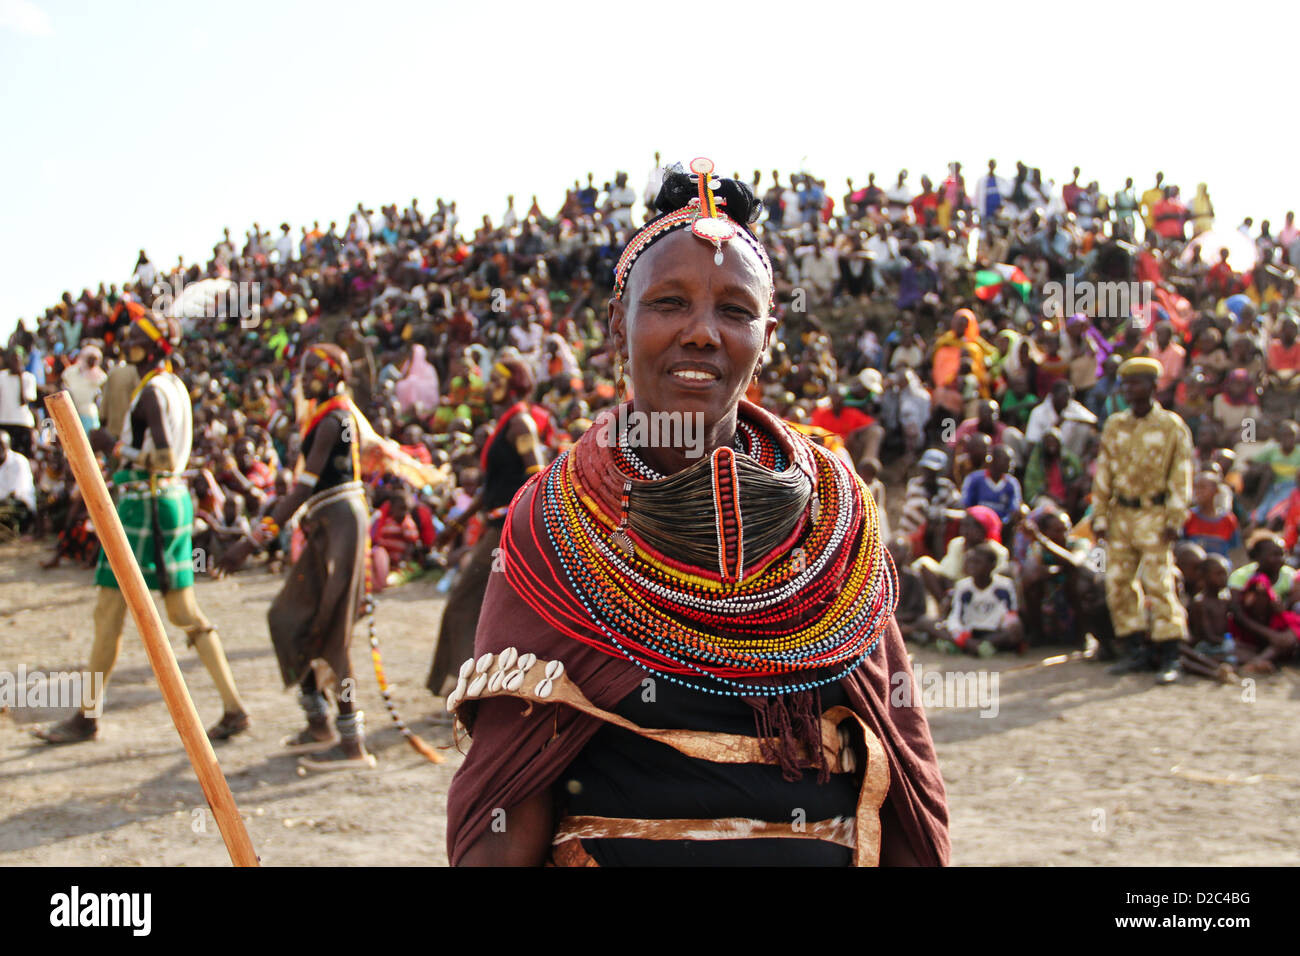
804,615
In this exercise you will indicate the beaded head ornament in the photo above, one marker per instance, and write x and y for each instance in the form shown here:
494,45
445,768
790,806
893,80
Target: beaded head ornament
161,337
704,215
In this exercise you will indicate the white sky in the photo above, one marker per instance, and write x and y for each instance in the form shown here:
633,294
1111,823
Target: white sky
154,125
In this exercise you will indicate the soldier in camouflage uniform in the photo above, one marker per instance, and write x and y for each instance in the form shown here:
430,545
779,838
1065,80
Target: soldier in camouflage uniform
1140,498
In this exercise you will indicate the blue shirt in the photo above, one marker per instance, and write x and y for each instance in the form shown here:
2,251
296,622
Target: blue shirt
1003,498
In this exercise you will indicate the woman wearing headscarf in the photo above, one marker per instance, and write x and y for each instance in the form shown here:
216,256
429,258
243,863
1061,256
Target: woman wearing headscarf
418,390
979,524
962,341
83,380
681,648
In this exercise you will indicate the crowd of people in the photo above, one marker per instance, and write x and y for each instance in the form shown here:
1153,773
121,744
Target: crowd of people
922,333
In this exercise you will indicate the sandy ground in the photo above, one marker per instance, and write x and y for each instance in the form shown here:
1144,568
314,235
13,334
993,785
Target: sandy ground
1076,768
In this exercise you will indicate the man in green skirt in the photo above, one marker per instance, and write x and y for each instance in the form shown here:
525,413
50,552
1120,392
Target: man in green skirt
158,516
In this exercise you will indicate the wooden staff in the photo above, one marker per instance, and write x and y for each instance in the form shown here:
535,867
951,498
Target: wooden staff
76,448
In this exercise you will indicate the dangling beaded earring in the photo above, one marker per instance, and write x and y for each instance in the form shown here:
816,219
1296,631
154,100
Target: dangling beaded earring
620,380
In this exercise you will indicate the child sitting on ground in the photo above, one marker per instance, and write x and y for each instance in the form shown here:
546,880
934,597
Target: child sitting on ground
984,619
1266,632
1209,622
395,541
1208,524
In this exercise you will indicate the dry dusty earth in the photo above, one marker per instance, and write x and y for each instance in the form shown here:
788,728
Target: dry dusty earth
1076,768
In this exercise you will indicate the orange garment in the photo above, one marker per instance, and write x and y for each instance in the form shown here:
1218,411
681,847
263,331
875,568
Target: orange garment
948,354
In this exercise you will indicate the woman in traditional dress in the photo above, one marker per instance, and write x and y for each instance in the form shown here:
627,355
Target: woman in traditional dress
418,390
689,660
312,617
513,453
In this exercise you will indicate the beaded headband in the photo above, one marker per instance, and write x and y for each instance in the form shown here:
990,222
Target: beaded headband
707,221
325,356
151,330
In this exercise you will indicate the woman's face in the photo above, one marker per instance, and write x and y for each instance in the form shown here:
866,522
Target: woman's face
1270,558
692,332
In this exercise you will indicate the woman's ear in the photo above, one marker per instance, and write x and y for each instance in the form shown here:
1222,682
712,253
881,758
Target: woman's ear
617,323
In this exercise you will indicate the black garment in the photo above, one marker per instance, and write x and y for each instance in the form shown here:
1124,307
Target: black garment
338,467
505,472
621,774
20,439
461,614
855,276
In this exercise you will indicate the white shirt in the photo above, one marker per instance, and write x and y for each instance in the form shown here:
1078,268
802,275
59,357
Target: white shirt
527,340
621,201
790,200
986,609
653,185
84,388
820,271
1075,424
16,480
15,392
951,254
145,274
177,417
899,198
882,249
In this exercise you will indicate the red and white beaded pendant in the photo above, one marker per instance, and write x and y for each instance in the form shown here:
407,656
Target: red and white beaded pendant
708,225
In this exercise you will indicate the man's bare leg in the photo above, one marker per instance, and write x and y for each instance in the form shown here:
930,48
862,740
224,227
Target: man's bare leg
183,611
110,618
